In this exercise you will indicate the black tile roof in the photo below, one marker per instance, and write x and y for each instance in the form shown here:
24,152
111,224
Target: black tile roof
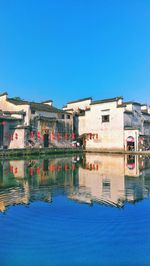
14,112
4,93
107,100
145,113
131,128
48,119
131,102
121,105
128,112
4,117
36,106
80,100
48,101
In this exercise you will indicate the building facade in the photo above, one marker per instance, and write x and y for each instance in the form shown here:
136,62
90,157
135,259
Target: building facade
33,124
111,124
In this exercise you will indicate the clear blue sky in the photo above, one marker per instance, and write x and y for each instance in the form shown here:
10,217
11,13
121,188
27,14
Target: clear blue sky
69,49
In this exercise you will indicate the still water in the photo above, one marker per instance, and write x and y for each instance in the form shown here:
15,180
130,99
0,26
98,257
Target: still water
92,210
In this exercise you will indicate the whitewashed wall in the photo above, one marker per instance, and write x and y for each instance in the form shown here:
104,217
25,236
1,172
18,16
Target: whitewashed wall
7,106
110,134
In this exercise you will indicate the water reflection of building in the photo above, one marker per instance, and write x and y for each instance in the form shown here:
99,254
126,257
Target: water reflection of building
105,179
102,179
22,182
112,180
14,195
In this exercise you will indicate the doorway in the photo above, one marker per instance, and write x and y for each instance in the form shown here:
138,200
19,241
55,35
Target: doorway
1,136
130,144
46,140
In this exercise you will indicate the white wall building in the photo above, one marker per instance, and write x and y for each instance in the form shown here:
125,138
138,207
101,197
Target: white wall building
111,124
41,119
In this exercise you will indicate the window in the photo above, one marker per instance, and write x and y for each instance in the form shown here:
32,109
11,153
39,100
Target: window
105,118
63,116
68,116
106,187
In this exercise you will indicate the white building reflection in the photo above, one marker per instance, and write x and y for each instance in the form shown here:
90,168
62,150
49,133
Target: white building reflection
112,180
103,179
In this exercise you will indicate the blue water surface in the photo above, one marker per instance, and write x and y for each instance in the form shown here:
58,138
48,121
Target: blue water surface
68,232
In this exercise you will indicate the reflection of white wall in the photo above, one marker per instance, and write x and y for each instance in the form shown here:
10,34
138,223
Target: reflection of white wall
15,196
18,167
113,182
132,165
106,183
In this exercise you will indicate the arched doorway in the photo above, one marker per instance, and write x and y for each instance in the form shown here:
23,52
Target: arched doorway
131,162
130,143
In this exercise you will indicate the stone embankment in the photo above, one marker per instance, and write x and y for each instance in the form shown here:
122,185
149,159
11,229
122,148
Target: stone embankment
118,152
61,151
38,152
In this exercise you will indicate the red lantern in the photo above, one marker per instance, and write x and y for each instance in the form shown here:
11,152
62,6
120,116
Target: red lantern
73,136
42,166
38,170
16,135
58,136
4,123
52,167
72,167
11,136
11,169
38,135
52,136
32,135
16,170
31,171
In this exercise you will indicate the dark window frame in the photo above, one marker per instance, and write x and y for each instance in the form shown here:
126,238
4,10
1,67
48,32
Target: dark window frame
105,118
